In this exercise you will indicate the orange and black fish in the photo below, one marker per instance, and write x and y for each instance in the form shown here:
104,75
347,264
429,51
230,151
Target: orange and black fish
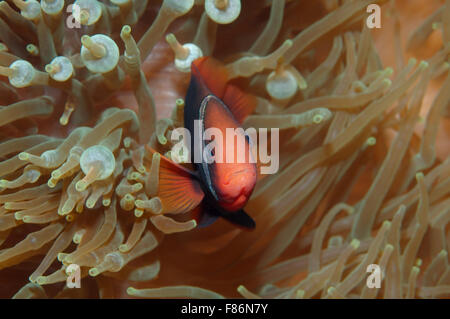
214,189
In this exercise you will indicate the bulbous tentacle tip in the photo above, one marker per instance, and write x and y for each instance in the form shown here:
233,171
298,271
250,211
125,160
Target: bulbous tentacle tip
179,8
87,12
30,10
97,163
99,53
60,69
52,7
223,11
184,54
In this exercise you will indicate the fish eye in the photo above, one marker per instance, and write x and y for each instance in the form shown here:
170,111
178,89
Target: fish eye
212,150
210,153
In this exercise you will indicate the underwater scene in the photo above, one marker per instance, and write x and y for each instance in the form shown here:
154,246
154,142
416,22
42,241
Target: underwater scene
210,149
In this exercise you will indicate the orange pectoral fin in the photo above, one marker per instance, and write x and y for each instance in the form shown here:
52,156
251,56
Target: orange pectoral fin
239,103
178,189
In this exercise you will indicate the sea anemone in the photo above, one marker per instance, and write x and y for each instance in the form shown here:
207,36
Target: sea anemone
91,92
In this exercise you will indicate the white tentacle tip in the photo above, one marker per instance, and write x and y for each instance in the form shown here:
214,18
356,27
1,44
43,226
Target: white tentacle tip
223,11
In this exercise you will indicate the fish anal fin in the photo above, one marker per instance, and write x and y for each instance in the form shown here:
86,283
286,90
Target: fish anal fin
201,214
206,214
240,218
203,217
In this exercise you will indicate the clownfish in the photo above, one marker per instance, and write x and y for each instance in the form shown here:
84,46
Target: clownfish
215,189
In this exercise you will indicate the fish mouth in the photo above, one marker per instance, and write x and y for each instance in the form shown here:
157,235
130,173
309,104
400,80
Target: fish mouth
236,203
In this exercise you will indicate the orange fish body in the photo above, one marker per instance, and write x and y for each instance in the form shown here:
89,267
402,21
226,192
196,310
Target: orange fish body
222,184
